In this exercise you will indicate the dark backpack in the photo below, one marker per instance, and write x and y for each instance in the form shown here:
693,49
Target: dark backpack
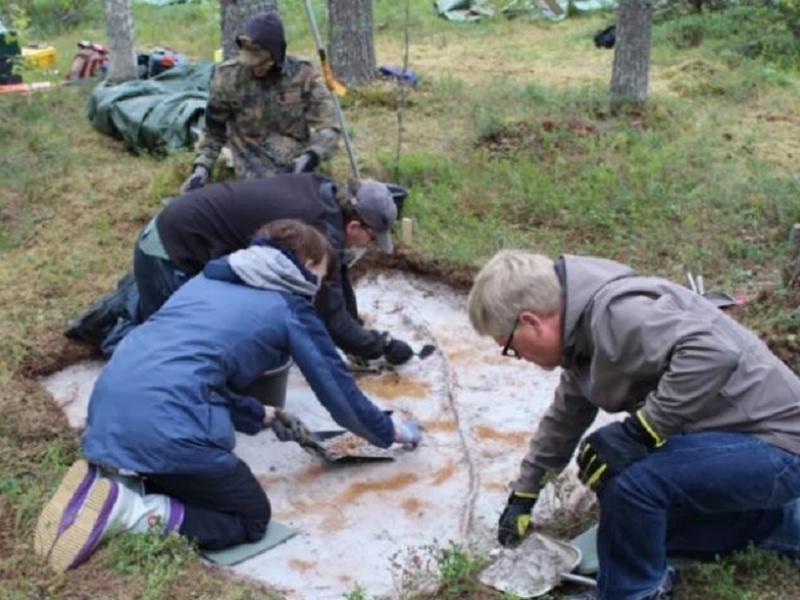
9,52
606,37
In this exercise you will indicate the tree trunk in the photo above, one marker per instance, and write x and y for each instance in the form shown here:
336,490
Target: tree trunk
352,47
631,71
233,14
122,55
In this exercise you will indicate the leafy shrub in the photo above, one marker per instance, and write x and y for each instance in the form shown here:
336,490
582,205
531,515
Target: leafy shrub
749,30
47,15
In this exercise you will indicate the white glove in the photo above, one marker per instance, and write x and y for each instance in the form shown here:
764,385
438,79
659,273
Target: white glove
407,431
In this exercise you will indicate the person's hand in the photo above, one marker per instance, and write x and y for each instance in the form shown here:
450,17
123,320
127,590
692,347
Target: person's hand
269,415
407,431
289,428
305,163
515,521
395,351
613,448
197,179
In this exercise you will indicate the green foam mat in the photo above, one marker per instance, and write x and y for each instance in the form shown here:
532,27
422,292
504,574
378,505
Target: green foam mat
589,565
277,533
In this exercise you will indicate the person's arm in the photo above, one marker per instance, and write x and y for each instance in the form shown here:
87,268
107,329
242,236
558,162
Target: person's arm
247,413
347,333
312,349
559,432
551,448
218,113
321,118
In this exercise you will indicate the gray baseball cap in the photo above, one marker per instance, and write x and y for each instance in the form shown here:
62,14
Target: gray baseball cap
376,208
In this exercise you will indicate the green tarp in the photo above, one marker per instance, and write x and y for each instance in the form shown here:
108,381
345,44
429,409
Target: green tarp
160,3
551,10
463,10
153,114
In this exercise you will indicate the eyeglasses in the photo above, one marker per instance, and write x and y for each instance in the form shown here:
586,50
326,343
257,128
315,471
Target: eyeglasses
508,349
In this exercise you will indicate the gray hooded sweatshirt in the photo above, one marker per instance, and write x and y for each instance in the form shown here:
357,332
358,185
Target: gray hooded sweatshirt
270,269
634,342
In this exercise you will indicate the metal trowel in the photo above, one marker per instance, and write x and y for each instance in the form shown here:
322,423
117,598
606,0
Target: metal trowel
340,446
539,564
378,365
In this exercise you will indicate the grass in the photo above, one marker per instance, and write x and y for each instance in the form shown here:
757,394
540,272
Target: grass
154,556
508,142
747,575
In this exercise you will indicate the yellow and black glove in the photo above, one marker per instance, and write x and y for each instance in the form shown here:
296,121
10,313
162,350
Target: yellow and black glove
515,522
613,448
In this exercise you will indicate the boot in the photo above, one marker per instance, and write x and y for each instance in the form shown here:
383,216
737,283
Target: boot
88,507
99,319
60,512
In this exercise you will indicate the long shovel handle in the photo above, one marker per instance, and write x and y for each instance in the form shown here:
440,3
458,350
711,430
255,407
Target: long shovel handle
348,144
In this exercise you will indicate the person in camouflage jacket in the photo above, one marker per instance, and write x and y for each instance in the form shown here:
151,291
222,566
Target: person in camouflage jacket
273,110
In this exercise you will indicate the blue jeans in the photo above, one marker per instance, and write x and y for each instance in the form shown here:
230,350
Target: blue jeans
157,279
701,495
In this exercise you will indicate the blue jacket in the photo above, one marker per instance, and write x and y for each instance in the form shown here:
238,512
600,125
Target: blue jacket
164,403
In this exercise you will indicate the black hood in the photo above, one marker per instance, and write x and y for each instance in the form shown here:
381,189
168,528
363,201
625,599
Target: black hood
266,30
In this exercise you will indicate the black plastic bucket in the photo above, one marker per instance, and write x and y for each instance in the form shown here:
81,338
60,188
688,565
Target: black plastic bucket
399,195
270,388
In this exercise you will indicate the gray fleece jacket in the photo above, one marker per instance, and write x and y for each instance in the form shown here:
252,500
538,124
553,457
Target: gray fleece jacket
635,342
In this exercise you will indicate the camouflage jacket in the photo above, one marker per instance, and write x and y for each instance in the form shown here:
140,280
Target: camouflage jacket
267,122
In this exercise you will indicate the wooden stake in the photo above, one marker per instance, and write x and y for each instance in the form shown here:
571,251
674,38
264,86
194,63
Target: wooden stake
407,231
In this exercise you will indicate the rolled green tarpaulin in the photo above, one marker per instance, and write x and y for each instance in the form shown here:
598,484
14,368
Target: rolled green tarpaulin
153,114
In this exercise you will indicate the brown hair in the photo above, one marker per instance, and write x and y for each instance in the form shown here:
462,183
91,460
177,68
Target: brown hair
306,242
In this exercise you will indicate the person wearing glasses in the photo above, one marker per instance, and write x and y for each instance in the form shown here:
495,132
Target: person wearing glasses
220,218
707,459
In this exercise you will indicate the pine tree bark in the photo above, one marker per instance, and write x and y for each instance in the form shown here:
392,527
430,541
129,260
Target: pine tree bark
351,40
121,52
631,72
233,14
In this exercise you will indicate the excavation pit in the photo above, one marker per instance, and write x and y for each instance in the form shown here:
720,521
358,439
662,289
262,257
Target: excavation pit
358,521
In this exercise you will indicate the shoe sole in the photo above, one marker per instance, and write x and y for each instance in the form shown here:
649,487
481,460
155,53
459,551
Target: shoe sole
51,519
75,545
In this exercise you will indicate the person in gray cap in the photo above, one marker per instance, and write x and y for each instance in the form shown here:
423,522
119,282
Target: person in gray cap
218,219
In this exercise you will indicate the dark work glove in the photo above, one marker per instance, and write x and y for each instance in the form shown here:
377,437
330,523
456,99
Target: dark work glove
289,428
197,179
515,522
305,163
613,448
396,352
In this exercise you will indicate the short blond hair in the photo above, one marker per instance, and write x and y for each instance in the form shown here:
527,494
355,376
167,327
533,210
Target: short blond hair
513,281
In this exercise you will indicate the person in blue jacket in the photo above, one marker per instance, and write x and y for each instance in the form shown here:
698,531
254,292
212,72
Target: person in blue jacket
159,440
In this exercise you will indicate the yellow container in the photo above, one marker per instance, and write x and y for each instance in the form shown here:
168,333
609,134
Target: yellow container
39,57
